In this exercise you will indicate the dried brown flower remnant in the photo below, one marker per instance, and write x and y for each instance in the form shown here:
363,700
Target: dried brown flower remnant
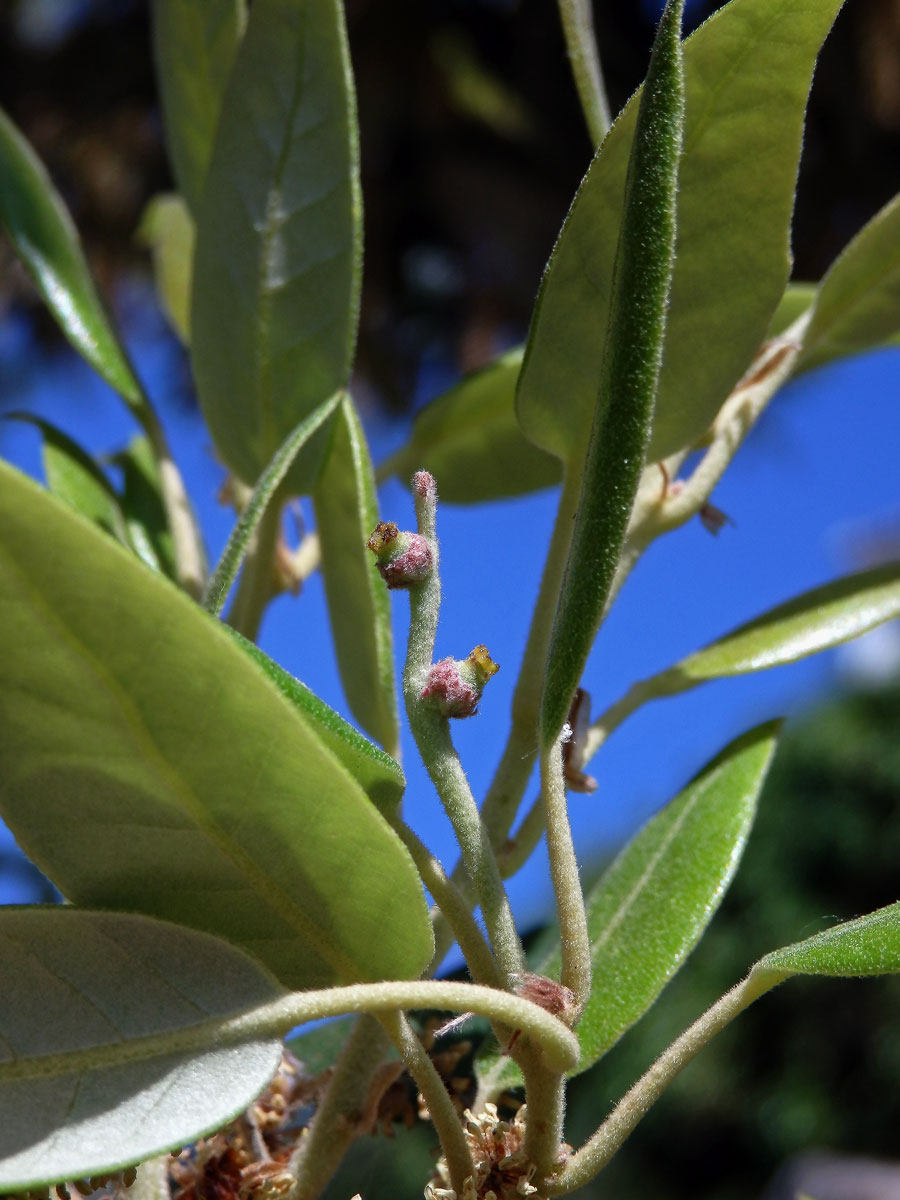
502,1170
553,997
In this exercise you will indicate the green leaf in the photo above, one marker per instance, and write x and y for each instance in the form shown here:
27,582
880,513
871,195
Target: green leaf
74,477
747,74
150,767
817,620
195,47
279,240
650,908
93,981
42,233
359,605
264,495
628,377
380,776
168,229
797,298
470,441
870,945
142,506
858,305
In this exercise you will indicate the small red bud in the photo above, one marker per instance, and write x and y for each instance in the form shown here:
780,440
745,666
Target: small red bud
424,486
402,558
454,686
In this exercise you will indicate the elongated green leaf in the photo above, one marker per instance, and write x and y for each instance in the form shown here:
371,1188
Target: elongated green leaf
470,441
747,71
817,620
858,304
76,478
76,980
195,46
380,776
629,374
41,230
650,908
870,945
358,602
142,506
264,495
168,229
150,767
277,264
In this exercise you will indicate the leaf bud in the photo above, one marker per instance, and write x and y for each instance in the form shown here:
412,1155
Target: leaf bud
454,686
402,558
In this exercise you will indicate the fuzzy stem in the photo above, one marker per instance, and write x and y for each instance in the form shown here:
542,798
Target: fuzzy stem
336,1123
432,735
546,1095
573,928
440,1105
596,1153
505,794
581,42
455,909
520,846
256,583
187,541
558,1044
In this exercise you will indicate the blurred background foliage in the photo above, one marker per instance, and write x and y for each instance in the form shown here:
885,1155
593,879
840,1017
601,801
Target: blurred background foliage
472,143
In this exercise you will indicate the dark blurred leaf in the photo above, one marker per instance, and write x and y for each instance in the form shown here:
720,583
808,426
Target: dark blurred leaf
470,441
41,230
195,46
279,239
74,477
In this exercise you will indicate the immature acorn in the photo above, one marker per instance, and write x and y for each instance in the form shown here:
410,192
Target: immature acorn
402,558
454,686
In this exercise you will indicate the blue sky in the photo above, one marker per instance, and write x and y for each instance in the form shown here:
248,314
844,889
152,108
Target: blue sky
816,477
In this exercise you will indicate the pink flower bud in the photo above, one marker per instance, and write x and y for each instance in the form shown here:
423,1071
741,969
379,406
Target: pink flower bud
454,686
402,558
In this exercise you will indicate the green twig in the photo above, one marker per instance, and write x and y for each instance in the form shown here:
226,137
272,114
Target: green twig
573,928
432,735
443,1115
454,907
596,1153
581,42
546,1095
276,1018
520,846
336,1123
187,541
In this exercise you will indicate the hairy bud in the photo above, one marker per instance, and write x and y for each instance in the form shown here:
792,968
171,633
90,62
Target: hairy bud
404,559
454,686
